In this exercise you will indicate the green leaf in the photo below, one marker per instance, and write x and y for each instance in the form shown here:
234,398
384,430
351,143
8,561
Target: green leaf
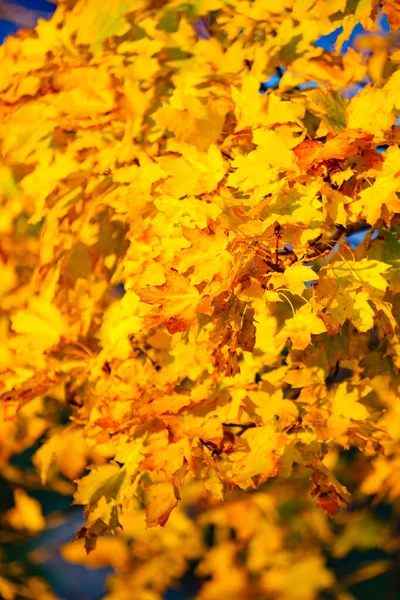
331,107
169,22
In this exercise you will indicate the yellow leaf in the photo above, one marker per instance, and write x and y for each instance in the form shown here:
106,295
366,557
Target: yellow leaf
102,482
177,303
301,327
57,449
101,18
346,403
370,111
294,278
42,324
8,590
363,273
27,512
269,406
363,314
84,91
249,104
301,579
260,461
162,499
108,552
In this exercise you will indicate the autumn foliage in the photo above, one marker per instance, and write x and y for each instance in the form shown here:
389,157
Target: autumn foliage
190,345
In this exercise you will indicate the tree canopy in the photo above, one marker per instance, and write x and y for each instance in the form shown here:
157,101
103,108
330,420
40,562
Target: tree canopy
191,345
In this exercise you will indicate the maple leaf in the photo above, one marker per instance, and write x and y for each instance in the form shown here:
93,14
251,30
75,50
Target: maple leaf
331,495
104,481
94,530
56,450
370,111
102,20
272,152
29,388
207,257
301,327
361,284
382,192
177,303
259,463
345,408
332,107
294,278
162,498
84,91
42,324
